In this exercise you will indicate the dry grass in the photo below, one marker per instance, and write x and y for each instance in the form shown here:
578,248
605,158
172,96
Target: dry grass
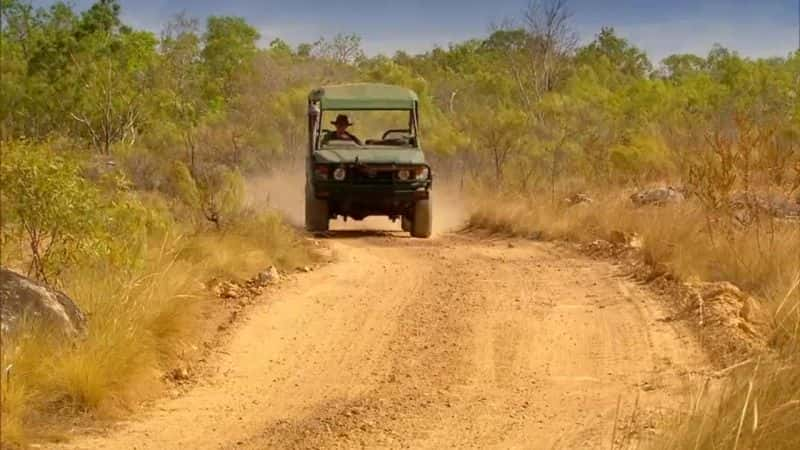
138,324
763,261
14,399
253,243
759,406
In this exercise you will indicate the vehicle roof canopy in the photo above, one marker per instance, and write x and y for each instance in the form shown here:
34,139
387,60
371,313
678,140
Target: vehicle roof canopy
363,96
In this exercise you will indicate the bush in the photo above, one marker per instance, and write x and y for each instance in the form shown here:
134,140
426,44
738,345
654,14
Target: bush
214,193
62,220
147,169
46,203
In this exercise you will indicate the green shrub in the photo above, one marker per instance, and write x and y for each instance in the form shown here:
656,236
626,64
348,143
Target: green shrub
215,193
47,204
61,220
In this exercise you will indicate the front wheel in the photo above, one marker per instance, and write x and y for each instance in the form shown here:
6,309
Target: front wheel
405,224
317,216
422,224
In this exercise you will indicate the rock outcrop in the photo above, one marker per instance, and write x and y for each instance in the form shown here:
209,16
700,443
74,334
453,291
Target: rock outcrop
744,206
23,299
657,196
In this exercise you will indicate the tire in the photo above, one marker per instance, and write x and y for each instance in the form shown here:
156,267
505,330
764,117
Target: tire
423,219
405,224
317,216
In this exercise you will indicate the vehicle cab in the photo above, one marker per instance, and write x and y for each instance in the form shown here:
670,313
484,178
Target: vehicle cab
365,157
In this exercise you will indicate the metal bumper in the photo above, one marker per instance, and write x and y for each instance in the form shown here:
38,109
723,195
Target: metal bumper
361,200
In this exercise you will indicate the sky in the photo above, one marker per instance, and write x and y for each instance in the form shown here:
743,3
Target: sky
753,28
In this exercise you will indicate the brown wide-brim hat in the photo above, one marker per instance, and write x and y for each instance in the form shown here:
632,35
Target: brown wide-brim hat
342,119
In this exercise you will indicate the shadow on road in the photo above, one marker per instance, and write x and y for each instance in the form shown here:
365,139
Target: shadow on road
357,234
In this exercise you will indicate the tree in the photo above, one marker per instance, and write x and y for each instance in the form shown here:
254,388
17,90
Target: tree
625,58
95,66
507,40
36,45
229,46
551,42
678,67
288,113
304,50
180,80
279,48
111,74
45,199
102,17
500,134
342,49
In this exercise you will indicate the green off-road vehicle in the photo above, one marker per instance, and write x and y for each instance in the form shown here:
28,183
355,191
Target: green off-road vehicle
384,174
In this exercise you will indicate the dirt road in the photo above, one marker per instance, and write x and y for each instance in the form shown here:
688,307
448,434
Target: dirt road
454,342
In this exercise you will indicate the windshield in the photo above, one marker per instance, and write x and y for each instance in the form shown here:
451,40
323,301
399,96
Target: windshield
367,129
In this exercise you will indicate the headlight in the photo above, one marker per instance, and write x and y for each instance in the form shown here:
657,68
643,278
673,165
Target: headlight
422,173
321,171
339,174
403,174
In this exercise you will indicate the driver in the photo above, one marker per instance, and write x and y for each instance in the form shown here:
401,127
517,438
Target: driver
341,123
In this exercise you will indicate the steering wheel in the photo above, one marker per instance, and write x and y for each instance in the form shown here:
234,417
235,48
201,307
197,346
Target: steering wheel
388,132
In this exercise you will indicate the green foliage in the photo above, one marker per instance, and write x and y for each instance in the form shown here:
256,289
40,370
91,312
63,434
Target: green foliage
184,187
279,48
50,206
616,51
214,193
208,97
304,50
342,49
222,193
62,220
112,73
287,113
501,135
679,67
102,17
230,45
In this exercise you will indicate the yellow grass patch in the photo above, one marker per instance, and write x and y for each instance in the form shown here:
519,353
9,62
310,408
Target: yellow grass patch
137,323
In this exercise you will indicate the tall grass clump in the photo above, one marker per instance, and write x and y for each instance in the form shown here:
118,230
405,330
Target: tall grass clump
251,242
137,323
758,406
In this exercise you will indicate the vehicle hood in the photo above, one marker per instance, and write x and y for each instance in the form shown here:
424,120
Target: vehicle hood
381,155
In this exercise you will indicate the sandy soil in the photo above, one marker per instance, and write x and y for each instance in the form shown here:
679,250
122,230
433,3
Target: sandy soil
453,342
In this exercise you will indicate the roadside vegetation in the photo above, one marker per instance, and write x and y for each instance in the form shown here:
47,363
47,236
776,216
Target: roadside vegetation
138,269
125,156
104,198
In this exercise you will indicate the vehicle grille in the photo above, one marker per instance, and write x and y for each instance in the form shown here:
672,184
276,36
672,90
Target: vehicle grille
372,175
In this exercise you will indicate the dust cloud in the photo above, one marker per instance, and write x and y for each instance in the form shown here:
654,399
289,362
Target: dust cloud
284,190
281,190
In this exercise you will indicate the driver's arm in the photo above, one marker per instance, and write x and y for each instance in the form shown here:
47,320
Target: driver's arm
325,138
355,139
